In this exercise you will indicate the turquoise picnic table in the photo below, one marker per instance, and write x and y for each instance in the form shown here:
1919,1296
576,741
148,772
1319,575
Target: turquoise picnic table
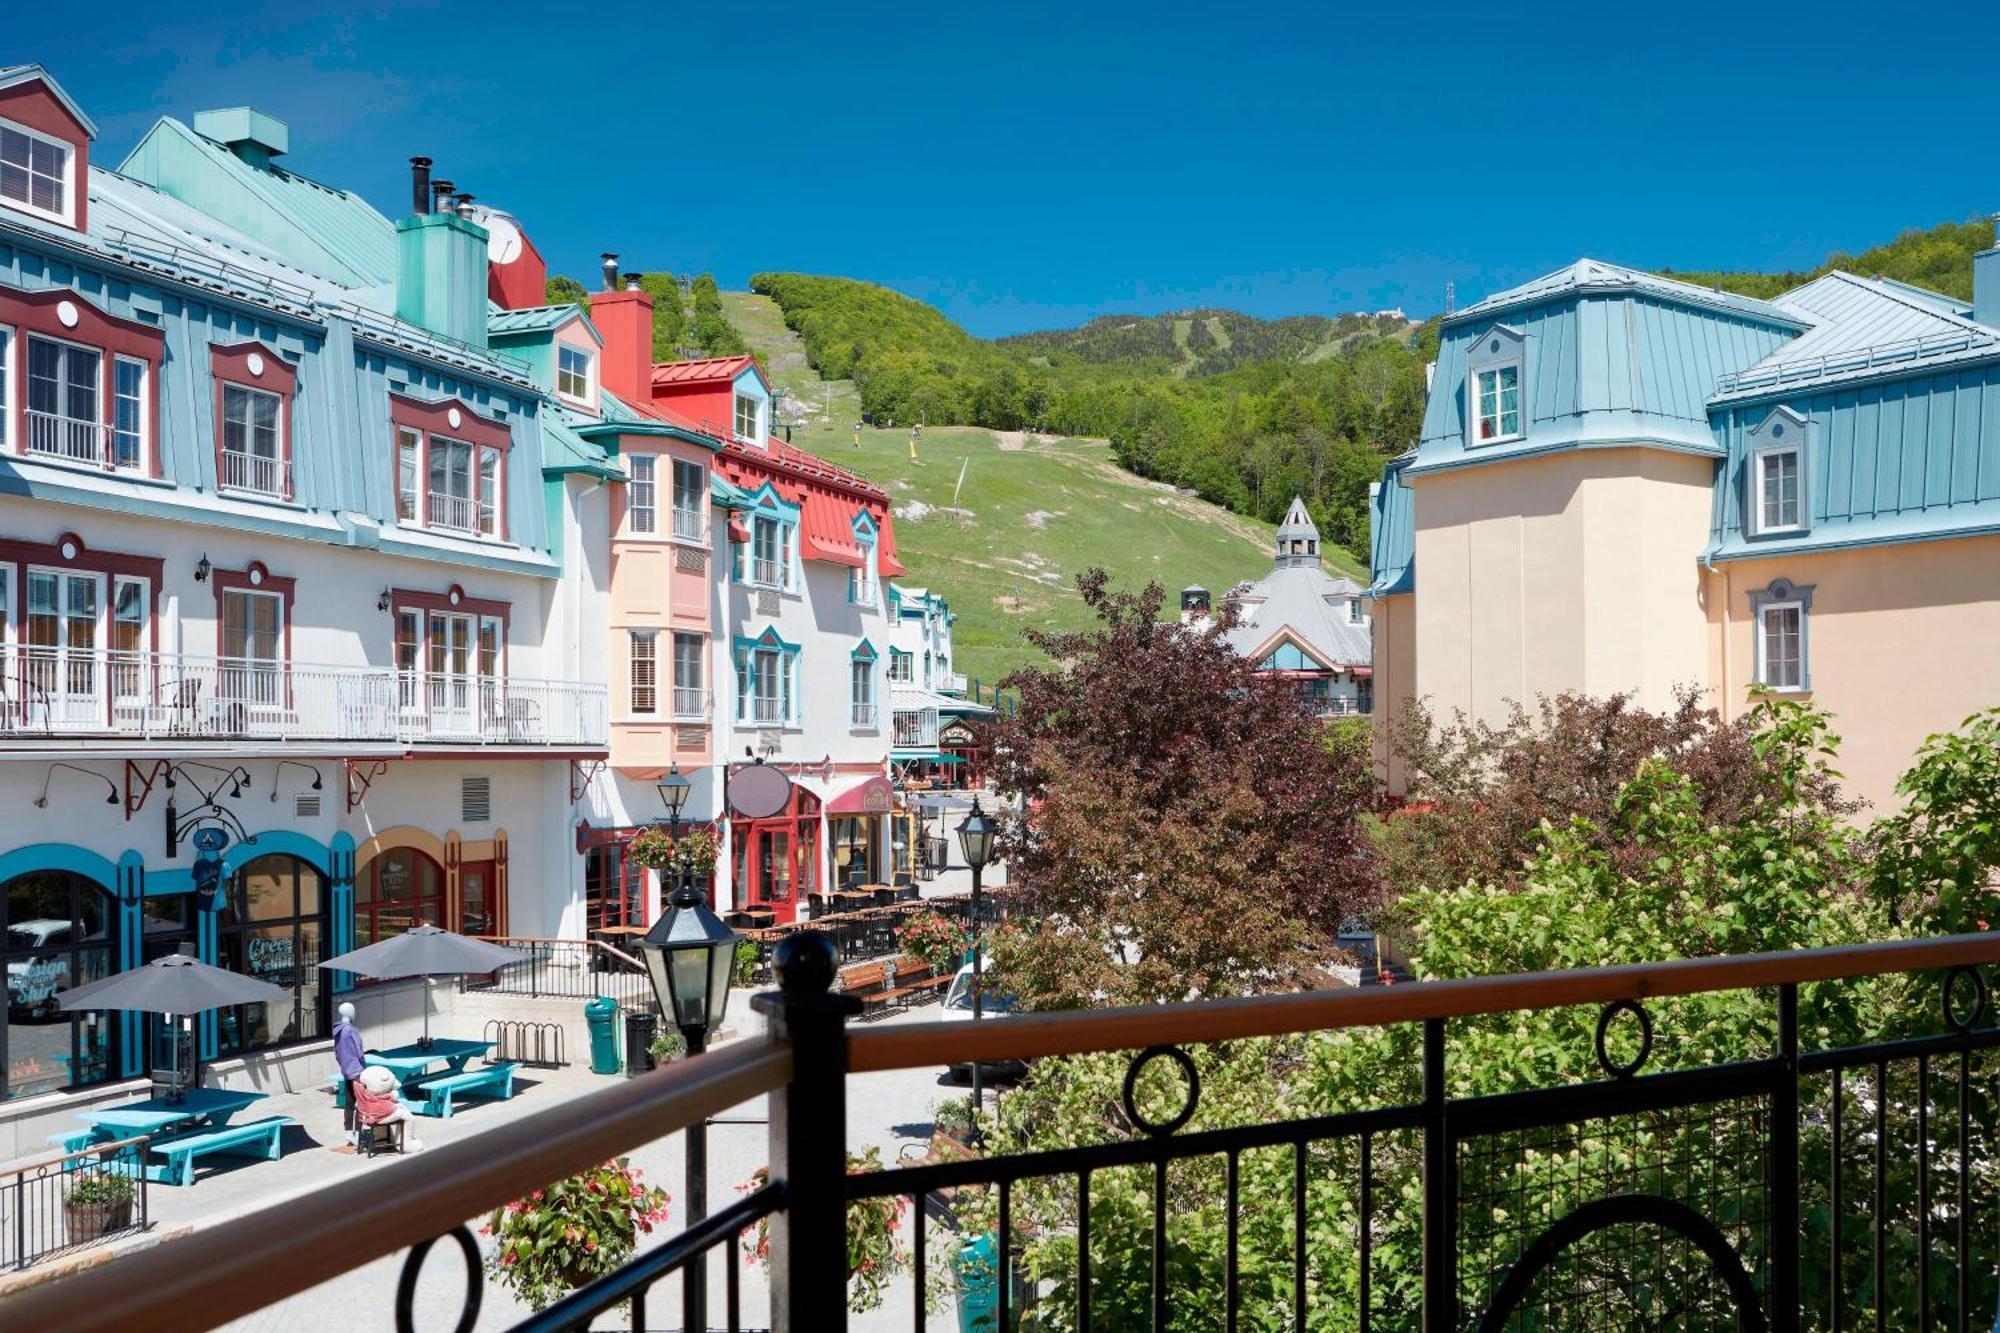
410,1062
197,1106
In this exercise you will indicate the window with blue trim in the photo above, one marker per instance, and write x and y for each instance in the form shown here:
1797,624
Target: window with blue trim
861,687
766,681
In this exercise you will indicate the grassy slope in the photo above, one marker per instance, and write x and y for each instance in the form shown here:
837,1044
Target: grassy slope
1000,568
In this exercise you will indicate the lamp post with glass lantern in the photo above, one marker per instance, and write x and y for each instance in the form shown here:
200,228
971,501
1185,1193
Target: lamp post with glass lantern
975,840
690,956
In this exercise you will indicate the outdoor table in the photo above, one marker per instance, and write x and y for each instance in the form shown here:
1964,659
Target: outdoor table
211,1106
409,1062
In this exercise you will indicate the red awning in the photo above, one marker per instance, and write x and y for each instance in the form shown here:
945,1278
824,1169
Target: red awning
870,796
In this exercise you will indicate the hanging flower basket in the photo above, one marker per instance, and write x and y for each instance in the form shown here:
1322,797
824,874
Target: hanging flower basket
575,1231
656,849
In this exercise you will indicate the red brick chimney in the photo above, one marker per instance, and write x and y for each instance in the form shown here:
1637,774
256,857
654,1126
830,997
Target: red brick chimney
626,321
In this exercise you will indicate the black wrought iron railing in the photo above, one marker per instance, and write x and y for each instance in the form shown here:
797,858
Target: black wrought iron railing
73,1202
567,970
1618,1168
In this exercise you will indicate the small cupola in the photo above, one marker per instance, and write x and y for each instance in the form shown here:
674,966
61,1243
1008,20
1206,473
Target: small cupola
1298,536
252,135
1194,603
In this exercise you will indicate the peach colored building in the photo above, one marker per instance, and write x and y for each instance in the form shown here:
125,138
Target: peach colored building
1626,483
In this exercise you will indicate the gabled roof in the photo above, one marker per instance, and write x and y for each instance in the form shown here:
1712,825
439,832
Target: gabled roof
1594,276
1297,522
536,319
336,233
714,369
826,495
13,76
1293,597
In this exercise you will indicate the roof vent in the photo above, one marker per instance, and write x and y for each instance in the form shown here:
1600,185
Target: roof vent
610,272
475,799
252,135
307,805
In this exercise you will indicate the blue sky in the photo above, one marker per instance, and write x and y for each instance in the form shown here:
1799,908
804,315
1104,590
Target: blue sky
1030,165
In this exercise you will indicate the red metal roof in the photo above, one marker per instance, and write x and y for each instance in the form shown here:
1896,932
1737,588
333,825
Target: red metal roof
710,369
827,497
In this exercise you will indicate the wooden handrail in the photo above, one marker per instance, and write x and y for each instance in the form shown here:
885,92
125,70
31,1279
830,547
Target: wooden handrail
918,1045
611,949
227,1271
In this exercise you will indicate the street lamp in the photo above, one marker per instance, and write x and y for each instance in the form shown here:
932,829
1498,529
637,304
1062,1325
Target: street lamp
975,839
690,956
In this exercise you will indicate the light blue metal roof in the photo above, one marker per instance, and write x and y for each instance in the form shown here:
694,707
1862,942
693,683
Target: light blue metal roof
1862,328
563,450
1594,276
1602,367
1392,532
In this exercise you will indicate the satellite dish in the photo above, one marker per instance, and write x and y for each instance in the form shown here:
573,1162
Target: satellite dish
503,235
758,791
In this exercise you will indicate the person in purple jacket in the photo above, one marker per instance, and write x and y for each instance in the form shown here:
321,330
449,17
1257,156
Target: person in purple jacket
347,1054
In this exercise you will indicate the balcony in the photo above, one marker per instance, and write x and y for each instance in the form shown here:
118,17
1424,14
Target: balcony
862,715
690,703
916,729
689,524
767,711
172,696
766,573
255,473
459,513
1760,1191
69,438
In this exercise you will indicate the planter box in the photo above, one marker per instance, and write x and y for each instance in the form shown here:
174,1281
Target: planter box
88,1221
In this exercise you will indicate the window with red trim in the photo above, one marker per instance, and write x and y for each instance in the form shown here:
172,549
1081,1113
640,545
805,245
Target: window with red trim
254,387
78,386
399,889
451,659
450,468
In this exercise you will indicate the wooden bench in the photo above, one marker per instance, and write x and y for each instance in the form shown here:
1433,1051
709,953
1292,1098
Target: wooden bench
912,978
870,983
494,1080
257,1138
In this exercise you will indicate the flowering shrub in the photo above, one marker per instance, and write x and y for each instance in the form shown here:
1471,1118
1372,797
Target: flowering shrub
654,848
875,1253
935,938
575,1231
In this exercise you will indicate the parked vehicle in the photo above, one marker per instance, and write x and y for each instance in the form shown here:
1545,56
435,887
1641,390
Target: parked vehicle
993,1004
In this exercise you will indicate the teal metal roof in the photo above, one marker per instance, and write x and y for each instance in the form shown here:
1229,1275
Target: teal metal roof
334,233
536,319
565,451
1392,532
1595,277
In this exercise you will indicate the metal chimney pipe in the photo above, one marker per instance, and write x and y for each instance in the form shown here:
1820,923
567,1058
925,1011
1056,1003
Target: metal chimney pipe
463,205
420,184
610,271
440,195
631,282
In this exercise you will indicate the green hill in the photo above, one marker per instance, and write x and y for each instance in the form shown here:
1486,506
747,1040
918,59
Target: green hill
1939,258
999,523
1201,342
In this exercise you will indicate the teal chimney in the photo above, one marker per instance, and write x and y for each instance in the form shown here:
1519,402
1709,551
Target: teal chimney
252,135
441,275
1986,282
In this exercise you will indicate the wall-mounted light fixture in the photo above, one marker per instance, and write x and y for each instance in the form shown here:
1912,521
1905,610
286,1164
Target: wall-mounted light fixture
382,602
201,568
283,764
238,779
111,788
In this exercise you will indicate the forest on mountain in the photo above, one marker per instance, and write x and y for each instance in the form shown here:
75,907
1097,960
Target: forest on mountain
677,332
1938,258
1267,423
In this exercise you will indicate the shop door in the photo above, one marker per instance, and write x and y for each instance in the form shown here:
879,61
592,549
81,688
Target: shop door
480,910
774,871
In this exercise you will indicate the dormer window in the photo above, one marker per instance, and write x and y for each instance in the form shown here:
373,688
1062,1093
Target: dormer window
749,416
35,172
573,374
451,468
1493,384
1777,453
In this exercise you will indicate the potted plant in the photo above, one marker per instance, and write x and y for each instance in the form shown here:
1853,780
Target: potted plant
951,1130
99,1202
935,938
668,1044
875,1252
575,1231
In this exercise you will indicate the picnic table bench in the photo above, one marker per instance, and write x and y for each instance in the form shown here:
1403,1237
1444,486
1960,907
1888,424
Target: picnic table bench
869,983
494,1080
916,982
255,1138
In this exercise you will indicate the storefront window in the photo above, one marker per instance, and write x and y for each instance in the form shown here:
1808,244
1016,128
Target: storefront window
398,889
614,890
857,855
273,928
58,935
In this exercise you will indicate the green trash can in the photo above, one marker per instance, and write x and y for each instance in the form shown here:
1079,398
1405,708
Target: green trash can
978,1289
602,1016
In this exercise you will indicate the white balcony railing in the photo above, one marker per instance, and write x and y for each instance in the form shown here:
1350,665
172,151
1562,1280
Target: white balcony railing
253,472
764,573
69,438
45,691
954,683
916,729
862,715
459,513
690,703
767,710
688,525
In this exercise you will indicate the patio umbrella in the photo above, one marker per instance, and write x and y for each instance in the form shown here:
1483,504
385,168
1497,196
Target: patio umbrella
426,951
173,985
